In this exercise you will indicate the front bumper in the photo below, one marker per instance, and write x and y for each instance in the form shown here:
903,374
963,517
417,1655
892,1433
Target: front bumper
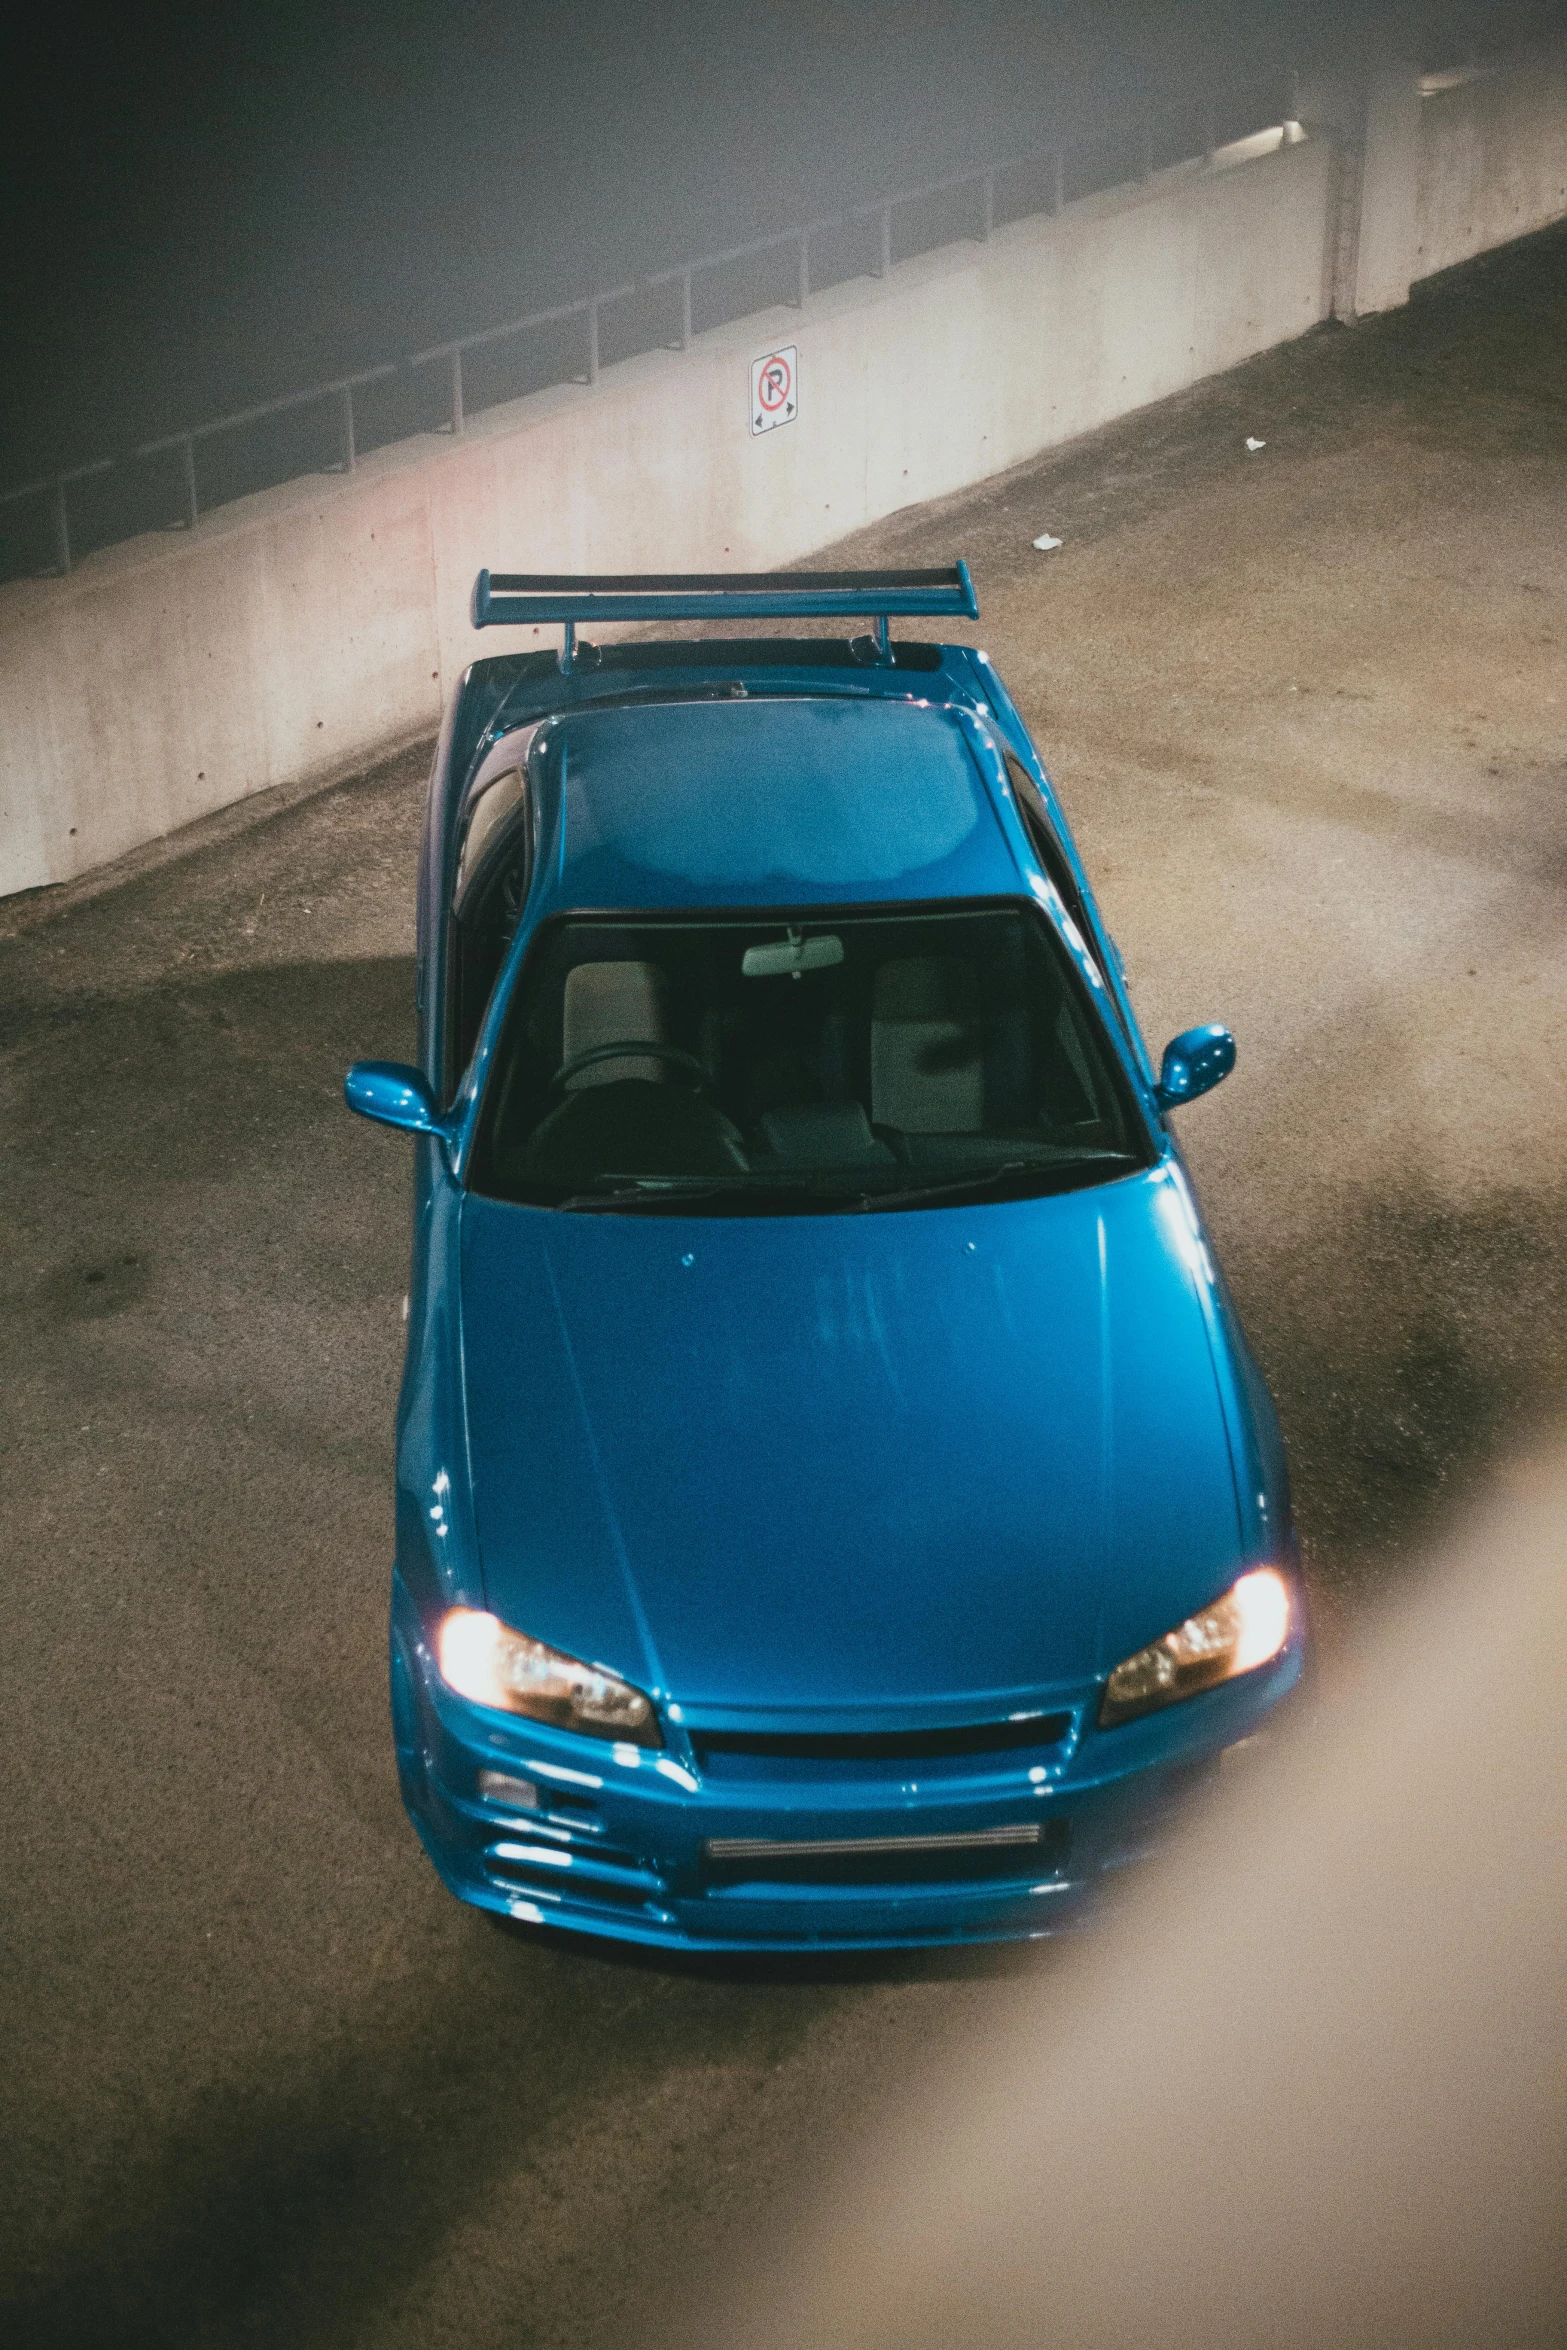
641,1845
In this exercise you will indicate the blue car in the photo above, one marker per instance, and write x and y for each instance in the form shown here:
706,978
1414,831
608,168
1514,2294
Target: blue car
836,1505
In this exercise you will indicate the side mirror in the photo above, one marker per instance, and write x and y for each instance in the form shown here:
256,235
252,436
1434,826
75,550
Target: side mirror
1194,1063
393,1095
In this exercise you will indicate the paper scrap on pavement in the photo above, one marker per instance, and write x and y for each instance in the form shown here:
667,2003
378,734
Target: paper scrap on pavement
1045,542
1254,446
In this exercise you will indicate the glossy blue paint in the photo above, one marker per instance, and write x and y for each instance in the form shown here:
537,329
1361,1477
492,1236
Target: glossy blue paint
831,1475
1194,1063
862,1467
392,1094
813,801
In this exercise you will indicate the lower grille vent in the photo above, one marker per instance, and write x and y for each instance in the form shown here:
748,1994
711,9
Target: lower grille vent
1030,1849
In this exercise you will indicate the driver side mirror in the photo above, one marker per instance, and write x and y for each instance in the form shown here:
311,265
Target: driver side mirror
393,1095
1194,1063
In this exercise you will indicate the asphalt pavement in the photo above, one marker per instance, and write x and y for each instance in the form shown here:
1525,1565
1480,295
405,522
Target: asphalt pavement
264,2081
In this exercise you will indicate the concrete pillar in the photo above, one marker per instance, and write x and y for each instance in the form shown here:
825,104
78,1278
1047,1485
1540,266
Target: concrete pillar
1386,249
1373,120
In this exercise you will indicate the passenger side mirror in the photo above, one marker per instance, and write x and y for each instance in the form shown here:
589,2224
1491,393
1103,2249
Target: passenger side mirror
1194,1063
393,1095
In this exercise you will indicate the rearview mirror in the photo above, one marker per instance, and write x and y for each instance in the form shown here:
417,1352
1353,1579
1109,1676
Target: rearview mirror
1194,1062
790,956
393,1095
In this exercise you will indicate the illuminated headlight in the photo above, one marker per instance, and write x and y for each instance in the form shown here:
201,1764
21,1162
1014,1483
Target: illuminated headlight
483,1659
1245,1628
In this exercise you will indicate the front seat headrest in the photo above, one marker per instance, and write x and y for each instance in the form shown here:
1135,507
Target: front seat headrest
614,1003
927,1054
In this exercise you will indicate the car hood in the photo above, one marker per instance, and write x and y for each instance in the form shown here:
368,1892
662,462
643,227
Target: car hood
902,1461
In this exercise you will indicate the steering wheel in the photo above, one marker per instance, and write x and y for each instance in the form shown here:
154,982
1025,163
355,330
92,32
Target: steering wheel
686,1063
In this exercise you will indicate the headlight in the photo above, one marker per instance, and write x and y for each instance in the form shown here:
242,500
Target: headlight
482,1658
1245,1628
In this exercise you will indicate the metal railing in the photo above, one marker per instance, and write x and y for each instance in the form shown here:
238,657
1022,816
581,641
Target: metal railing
53,487
1042,180
341,390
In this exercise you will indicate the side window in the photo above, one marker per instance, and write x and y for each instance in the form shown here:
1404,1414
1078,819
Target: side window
493,872
1047,849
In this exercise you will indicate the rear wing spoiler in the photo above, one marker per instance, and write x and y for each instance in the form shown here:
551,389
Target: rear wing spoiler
514,599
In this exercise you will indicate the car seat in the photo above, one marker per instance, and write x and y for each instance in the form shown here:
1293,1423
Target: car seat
625,1115
613,1003
927,1048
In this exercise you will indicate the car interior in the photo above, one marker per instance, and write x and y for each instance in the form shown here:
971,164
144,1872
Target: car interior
860,1052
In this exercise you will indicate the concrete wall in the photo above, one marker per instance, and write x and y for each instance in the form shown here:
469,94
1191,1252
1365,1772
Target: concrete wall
300,632
1493,158
295,635
170,677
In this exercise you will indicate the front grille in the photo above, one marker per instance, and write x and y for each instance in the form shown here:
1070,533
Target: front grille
886,1745
1027,1850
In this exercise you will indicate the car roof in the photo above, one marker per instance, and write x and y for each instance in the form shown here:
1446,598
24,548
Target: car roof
770,798
909,800
507,693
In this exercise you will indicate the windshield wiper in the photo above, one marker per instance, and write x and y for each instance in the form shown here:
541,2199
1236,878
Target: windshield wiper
649,1193
678,1191
924,1195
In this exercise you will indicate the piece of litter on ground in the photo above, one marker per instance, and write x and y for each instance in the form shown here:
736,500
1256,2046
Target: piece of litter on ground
1045,542
1254,446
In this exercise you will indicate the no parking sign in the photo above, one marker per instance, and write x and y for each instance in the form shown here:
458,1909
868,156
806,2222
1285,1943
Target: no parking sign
775,389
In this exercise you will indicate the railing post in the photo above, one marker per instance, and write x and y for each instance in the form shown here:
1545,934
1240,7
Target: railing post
456,392
685,310
62,530
987,217
804,293
188,467
1058,180
884,262
593,342
348,427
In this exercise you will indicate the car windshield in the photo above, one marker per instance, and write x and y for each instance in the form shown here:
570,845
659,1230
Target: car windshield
768,1066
